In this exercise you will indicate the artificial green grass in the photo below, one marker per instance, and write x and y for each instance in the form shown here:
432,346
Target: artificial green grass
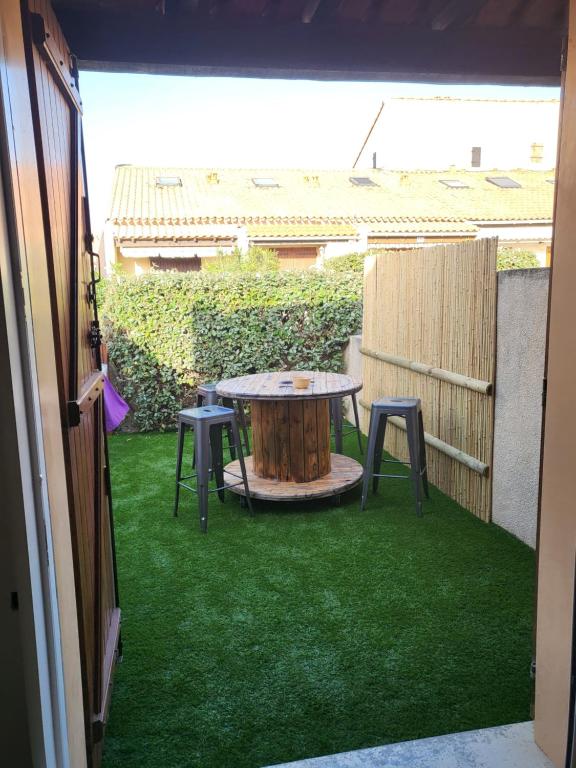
309,629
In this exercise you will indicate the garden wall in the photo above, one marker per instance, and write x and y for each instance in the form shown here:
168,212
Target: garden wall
428,332
522,304
520,354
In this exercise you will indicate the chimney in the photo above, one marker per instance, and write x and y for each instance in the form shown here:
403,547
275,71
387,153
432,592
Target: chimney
212,178
374,164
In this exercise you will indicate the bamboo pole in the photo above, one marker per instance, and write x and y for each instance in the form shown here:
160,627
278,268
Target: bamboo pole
463,458
476,385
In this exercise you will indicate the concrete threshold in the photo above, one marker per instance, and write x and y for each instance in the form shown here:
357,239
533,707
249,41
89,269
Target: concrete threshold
507,746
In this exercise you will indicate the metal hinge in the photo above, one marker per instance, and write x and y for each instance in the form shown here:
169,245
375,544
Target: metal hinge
544,391
533,669
74,73
97,730
94,334
95,279
73,413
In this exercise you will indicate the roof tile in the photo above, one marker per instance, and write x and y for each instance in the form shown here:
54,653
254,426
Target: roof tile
403,202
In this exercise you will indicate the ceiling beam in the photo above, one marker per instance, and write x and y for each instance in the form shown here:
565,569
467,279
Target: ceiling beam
310,11
456,12
263,47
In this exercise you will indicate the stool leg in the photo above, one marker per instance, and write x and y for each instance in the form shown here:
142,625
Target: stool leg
369,461
217,458
236,434
227,403
423,462
412,433
212,398
179,453
202,445
357,421
379,450
336,409
199,404
243,427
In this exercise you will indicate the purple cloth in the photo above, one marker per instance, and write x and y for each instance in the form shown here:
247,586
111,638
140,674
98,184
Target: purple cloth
115,408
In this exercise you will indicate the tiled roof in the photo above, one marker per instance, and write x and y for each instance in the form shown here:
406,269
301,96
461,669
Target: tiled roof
139,229
316,203
482,201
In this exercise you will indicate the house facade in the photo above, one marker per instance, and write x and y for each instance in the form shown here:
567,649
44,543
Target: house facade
461,132
177,218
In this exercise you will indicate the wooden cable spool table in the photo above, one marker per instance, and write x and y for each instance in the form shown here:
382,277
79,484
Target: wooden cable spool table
291,457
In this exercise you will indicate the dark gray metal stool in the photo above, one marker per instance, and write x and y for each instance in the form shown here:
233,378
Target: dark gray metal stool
410,409
206,395
207,423
338,421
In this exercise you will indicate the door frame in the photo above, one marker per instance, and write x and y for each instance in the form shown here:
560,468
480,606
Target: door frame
46,600
32,533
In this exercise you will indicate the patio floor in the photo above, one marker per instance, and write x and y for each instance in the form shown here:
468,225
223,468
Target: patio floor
308,630
506,746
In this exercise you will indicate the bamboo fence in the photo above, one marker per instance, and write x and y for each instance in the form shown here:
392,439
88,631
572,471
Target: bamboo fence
429,332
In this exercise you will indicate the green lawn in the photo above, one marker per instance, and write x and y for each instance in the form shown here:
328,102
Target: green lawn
309,629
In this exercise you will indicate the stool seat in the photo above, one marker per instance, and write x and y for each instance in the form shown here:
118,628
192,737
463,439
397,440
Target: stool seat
207,388
207,423
205,412
396,403
409,408
206,395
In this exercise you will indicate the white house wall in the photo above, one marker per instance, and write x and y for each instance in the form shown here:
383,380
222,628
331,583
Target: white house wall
535,238
436,133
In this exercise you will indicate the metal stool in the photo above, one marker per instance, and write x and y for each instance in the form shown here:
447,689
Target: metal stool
207,423
338,420
410,409
206,395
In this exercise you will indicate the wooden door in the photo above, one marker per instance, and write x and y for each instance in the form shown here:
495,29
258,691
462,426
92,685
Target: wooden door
73,274
297,257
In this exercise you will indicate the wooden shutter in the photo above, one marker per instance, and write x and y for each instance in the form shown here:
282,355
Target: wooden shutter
74,272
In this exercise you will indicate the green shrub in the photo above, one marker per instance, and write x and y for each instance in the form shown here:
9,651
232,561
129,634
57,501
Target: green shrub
255,259
350,262
168,331
510,258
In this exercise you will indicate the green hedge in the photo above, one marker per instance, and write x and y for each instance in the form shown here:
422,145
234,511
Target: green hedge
511,258
166,332
350,262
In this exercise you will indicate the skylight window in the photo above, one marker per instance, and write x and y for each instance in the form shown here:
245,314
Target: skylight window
551,181
265,182
363,181
454,183
168,181
504,182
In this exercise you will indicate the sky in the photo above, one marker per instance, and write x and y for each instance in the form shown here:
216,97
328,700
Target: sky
210,122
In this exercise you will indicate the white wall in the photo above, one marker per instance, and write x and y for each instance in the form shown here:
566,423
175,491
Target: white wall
437,133
520,345
342,248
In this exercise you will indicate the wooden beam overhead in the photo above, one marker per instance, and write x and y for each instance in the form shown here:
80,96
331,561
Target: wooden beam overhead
310,11
456,11
267,47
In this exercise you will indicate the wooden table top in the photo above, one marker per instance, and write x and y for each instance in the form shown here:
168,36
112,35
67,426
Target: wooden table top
278,385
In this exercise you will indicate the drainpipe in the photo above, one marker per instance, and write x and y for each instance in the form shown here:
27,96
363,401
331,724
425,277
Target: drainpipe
363,233
242,240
